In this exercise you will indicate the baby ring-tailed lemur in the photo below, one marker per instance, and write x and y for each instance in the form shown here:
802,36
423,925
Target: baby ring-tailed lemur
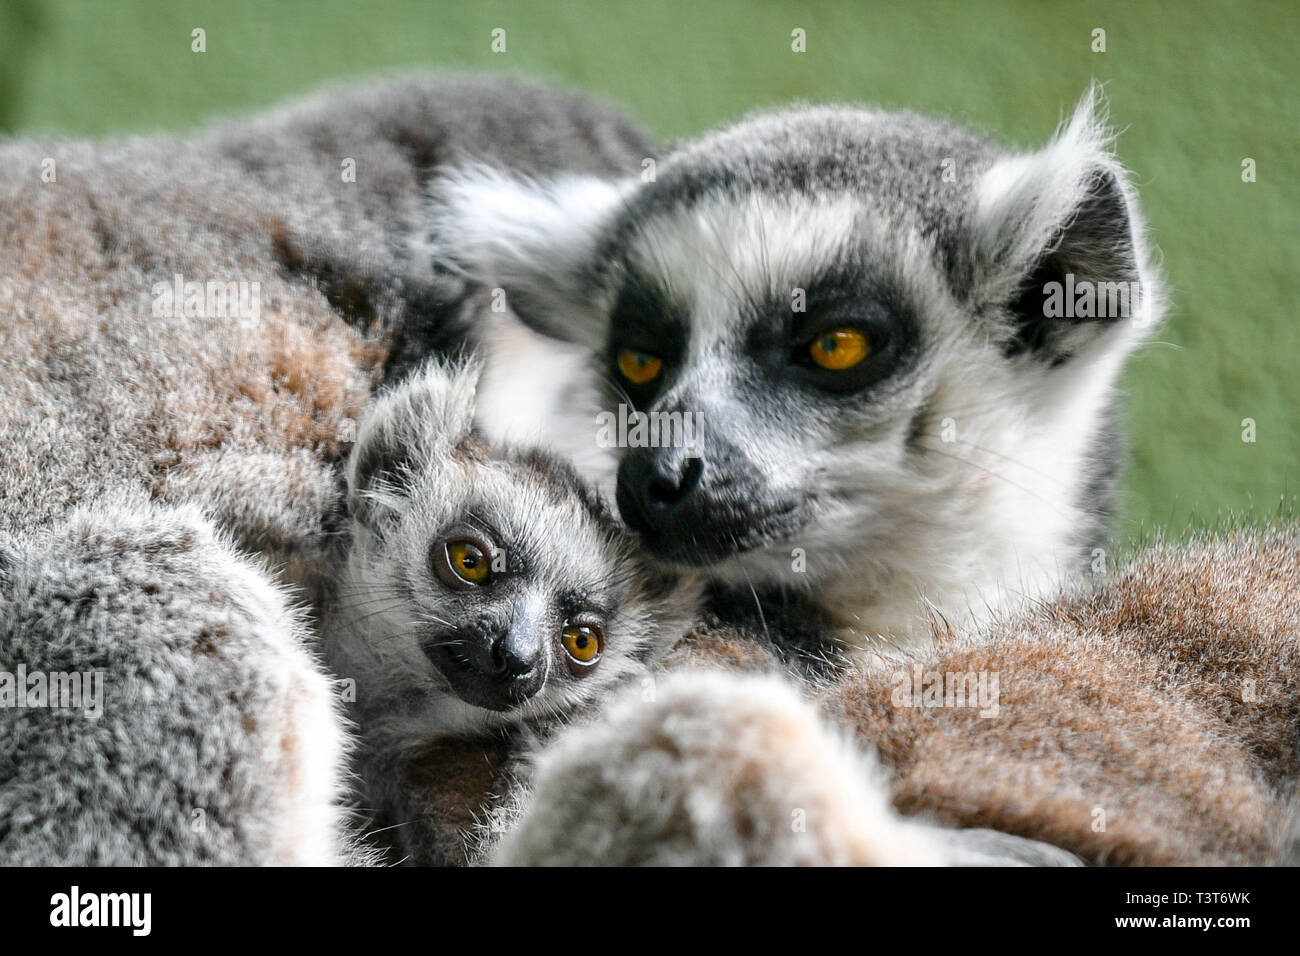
883,352
485,597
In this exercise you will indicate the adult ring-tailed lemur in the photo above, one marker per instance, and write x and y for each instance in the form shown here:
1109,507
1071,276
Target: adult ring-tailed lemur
873,355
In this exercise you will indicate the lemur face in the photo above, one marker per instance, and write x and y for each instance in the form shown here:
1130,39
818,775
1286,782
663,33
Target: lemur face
502,584
795,343
514,584
827,302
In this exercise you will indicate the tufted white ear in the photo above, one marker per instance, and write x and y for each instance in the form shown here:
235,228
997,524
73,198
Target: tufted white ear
1057,222
421,421
535,240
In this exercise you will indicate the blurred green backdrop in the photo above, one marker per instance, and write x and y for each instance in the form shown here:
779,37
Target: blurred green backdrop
1197,87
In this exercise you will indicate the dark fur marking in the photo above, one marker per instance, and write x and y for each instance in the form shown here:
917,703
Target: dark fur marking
1096,245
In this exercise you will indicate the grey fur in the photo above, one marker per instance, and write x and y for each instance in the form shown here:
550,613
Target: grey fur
165,477
418,478
215,739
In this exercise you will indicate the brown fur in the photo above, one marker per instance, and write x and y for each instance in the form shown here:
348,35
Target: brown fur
102,401
1127,730
448,783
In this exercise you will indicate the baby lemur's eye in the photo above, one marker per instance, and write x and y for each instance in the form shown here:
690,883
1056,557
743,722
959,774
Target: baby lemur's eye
583,643
461,563
839,349
639,367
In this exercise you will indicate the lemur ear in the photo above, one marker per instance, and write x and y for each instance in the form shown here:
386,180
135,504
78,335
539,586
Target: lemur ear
535,241
415,426
1057,243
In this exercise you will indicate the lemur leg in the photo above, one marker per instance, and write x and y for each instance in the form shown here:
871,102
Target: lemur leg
728,769
204,731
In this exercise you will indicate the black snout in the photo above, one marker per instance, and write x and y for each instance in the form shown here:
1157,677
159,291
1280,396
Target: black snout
653,486
696,509
511,657
495,672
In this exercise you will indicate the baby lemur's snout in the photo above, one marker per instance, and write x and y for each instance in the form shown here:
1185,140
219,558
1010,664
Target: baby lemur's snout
496,665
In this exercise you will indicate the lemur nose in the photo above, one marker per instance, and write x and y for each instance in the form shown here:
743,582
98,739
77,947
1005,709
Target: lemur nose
651,484
664,490
510,657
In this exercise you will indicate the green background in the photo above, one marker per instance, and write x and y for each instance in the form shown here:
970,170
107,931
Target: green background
1196,87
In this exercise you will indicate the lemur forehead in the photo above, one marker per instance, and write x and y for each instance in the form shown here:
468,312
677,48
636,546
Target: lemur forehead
709,275
564,482
910,169
565,551
824,149
720,257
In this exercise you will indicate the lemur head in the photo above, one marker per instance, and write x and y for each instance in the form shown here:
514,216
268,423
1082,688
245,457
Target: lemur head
873,323
485,585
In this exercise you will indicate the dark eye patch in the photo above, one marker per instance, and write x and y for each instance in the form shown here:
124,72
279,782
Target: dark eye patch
840,299
645,318
581,603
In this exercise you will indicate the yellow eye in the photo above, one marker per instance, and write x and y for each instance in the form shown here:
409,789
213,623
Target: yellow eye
467,561
639,367
583,643
839,349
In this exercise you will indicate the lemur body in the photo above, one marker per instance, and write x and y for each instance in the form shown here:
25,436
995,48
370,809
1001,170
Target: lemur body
853,306
156,459
168,473
1152,719
483,596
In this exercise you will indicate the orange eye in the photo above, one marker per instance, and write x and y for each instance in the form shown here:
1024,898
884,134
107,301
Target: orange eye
839,349
467,561
583,644
639,367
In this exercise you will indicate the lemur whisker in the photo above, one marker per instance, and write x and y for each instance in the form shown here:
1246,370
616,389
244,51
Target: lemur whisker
1008,458
758,605
981,467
